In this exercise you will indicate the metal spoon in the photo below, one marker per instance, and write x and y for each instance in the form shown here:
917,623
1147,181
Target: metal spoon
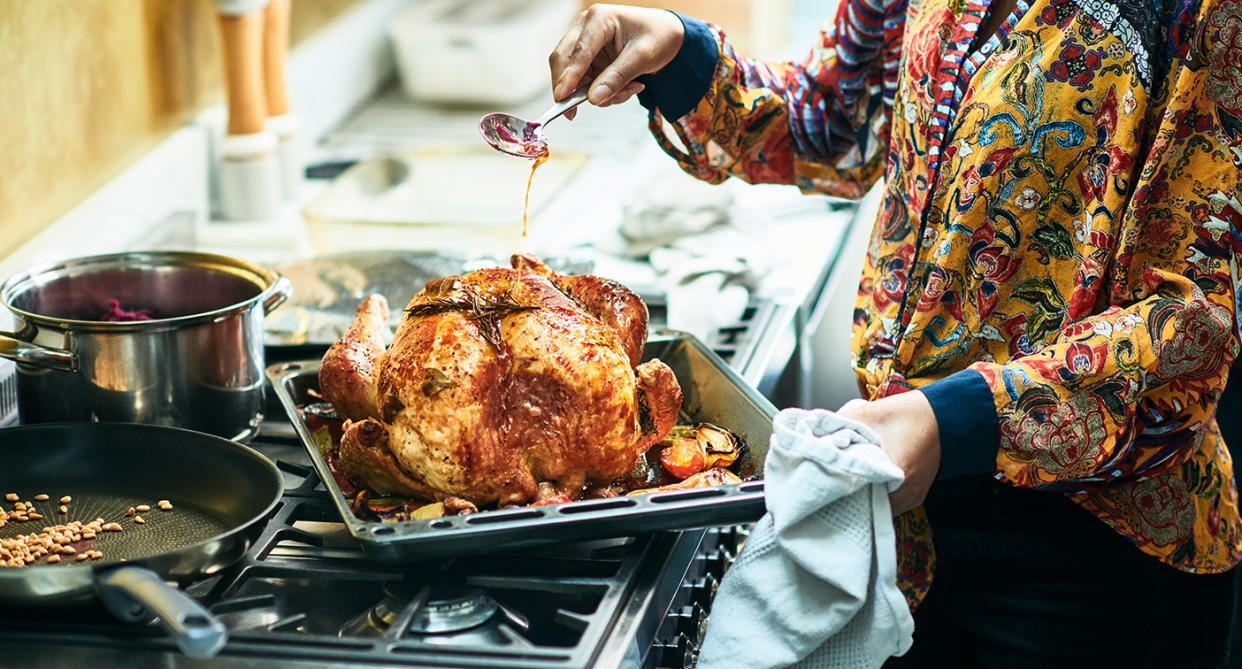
517,137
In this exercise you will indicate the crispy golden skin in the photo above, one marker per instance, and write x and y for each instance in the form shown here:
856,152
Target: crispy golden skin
498,380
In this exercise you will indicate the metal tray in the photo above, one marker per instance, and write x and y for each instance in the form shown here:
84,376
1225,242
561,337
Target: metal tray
713,393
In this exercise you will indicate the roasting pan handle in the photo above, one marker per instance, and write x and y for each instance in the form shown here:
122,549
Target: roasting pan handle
130,592
34,354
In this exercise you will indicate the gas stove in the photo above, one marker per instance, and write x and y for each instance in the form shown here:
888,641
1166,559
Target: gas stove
306,596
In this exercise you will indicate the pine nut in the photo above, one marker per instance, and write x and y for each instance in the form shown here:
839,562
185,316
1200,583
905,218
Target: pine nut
11,497
130,512
165,505
54,543
41,497
144,508
66,499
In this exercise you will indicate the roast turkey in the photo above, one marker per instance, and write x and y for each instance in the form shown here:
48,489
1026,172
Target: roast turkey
500,386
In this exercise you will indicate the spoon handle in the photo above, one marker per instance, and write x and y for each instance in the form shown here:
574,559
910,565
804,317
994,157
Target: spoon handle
576,98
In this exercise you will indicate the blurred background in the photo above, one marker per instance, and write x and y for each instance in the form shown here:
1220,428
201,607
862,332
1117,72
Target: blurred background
126,129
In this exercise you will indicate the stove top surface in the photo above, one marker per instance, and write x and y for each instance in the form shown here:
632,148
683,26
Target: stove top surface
306,595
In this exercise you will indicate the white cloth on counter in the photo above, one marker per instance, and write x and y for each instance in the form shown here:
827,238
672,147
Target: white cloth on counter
668,205
816,583
704,292
707,259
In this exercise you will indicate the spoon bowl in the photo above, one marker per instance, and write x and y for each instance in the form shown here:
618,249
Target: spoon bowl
514,136
518,137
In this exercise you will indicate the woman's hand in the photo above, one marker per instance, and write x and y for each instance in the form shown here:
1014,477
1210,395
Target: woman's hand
909,435
611,45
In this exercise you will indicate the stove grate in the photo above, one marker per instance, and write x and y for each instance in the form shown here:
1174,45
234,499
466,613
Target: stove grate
300,591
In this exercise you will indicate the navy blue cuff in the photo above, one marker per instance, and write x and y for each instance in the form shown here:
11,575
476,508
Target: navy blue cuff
677,88
969,429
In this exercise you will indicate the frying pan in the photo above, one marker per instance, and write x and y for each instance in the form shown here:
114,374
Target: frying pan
221,492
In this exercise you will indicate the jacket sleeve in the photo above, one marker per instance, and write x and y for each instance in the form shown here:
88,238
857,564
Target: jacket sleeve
1134,386
821,123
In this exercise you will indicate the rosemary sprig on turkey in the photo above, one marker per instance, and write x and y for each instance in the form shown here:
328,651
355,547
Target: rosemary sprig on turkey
486,312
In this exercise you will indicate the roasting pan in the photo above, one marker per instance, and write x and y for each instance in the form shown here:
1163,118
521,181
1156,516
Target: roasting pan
713,393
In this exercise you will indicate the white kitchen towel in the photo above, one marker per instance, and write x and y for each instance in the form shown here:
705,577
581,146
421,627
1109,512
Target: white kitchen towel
816,583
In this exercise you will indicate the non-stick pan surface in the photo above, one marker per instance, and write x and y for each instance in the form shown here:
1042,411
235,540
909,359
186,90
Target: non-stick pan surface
216,487
220,492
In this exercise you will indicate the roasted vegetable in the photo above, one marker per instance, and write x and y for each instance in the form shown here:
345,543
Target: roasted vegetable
555,499
641,474
721,447
683,458
711,477
548,494
428,511
325,425
696,449
385,504
680,432
456,506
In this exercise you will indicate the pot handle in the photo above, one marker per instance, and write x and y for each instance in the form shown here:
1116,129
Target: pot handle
130,592
280,291
34,354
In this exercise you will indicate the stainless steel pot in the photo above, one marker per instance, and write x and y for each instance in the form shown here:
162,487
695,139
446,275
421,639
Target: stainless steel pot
197,364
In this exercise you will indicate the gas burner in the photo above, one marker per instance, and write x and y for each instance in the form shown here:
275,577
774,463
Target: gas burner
431,611
453,609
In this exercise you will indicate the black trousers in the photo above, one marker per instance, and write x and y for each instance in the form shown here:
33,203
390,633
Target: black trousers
1030,579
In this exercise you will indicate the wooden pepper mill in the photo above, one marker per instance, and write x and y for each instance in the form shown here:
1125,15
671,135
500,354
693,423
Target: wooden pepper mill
280,119
249,166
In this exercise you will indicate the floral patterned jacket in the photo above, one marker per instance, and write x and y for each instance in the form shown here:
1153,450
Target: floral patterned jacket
1056,258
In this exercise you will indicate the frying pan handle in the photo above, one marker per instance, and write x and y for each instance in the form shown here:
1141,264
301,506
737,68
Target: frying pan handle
34,354
129,592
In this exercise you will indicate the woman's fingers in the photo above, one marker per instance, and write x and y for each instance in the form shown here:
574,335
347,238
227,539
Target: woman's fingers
631,89
609,46
635,59
577,50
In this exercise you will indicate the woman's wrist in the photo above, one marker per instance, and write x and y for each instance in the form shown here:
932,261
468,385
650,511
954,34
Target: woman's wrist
910,436
676,89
